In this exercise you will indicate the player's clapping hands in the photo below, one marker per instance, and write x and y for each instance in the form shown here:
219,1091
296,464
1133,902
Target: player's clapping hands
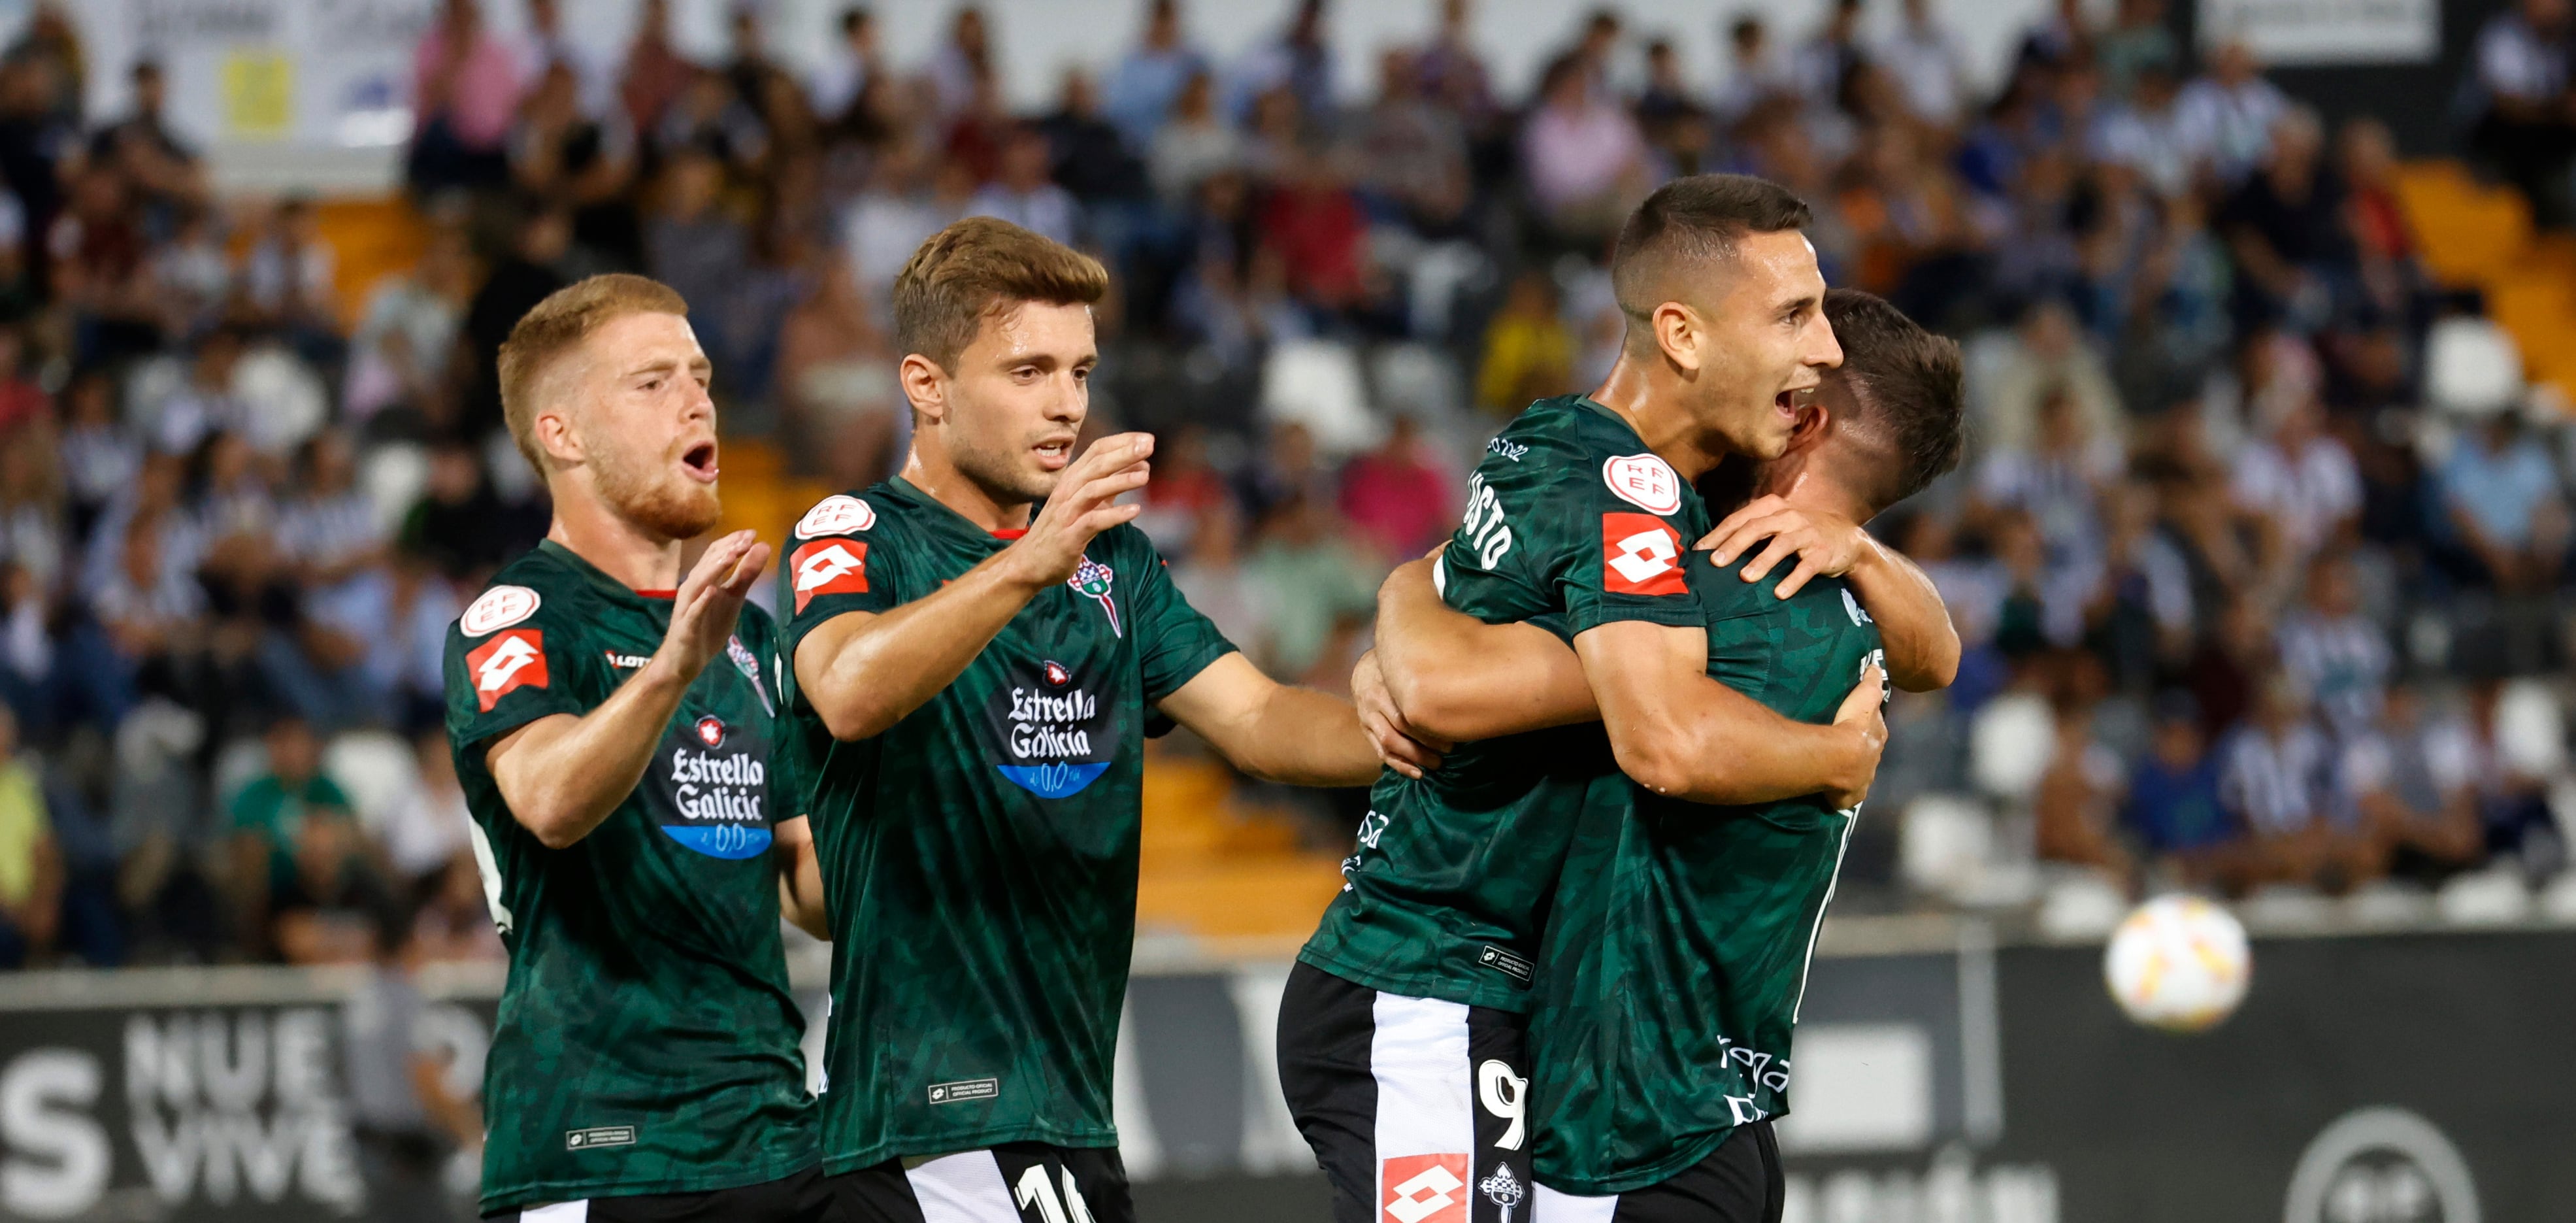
709,601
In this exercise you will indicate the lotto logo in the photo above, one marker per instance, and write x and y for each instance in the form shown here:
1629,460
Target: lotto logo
829,567
515,659
1423,1188
1640,555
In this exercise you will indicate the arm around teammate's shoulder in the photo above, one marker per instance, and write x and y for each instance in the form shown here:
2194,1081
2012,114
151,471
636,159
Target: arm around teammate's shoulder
1914,625
562,774
1459,678
1681,734
863,671
1274,731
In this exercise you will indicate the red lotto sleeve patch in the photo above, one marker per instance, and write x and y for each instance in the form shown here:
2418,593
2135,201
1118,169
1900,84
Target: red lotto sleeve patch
1640,555
1422,1189
513,660
829,567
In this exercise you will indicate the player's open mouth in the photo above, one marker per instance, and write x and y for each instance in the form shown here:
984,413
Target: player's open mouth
1053,455
1786,403
700,462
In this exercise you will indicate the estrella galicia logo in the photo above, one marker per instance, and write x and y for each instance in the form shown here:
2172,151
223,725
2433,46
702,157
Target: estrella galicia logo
708,788
1052,734
1093,579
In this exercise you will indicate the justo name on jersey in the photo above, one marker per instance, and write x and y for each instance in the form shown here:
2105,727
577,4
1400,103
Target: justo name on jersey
1050,733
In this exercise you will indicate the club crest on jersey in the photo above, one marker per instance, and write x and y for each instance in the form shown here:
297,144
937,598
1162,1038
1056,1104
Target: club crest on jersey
750,668
711,731
838,514
516,659
1503,1189
1057,674
498,608
1092,579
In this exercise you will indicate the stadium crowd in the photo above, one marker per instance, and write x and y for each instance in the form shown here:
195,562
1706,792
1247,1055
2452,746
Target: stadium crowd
2239,613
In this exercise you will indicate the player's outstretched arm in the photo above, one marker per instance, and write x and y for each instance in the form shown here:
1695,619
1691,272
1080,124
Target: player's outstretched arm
800,878
1913,624
863,671
561,775
1274,731
1679,733
1459,678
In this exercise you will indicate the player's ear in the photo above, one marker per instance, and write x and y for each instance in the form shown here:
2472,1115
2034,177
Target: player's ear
1679,331
925,385
556,438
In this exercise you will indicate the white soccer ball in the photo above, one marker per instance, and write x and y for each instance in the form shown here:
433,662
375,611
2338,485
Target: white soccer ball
2179,963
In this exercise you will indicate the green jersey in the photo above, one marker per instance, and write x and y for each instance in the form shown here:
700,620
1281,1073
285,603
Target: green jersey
1569,514
980,854
1673,963
647,1041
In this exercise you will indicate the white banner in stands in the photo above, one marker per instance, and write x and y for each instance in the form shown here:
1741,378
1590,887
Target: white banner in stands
2298,32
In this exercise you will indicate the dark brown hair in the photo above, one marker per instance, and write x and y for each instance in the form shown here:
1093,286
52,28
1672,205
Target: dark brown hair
1694,220
983,266
1909,388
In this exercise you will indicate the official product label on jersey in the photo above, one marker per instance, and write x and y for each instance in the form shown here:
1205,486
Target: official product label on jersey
829,567
1504,962
516,659
708,788
965,1089
1641,555
599,1136
1423,1188
1051,733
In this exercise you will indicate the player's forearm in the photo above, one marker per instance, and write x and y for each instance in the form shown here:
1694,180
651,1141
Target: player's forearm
800,879
1462,679
862,673
1726,748
1913,624
563,775
1301,737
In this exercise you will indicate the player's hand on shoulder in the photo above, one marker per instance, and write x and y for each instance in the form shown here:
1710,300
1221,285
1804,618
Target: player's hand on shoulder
1825,543
1083,505
1404,747
709,602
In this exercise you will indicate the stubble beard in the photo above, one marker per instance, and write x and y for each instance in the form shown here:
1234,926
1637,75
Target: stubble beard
999,473
653,496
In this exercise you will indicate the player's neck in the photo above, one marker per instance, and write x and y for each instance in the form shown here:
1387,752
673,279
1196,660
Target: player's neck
1806,488
927,468
586,527
1649,398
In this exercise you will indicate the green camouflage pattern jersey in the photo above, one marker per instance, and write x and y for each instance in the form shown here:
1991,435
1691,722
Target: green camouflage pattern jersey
647,1041
1678,949
1568,514
980,855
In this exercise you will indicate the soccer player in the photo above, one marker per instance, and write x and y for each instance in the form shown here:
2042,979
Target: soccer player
974,681
1675,955
613,737
1401,1032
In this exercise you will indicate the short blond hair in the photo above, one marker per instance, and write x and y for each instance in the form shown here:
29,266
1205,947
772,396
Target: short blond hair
557,326
982,266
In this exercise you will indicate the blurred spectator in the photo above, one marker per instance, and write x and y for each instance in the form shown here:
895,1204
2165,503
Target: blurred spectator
455,923
1584,157
1529,354
655,71
2061,37
1930,69
1754,74
2228,114
836,380
2413,776
423,830
2513,799
141,146
290,276
2173,805
545,47
1320,594
32,521
1832,54
2286,227
696,244
1023,194
2300,483
1297,60
2045,355
1311,218
2137,42
710,118
515,284
2059,480
1397,497
1195,143
1088,155
31,868
2275,777
465,87
406,337
1150,79
2330,651
2076,803
2503,521
460,525
2145,131
846,68
1452,73
1212,576
963,63
583,160
1413,150
269,814
329,904
2523,128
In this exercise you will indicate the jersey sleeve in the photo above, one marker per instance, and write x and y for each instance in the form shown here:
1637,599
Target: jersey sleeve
1621,532
1174,642
514,672
839,559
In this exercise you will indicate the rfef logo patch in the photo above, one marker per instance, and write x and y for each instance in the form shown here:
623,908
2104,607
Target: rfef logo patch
829,567
838,514
499,607
1644,480
516,659
1423,1189
1640,555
